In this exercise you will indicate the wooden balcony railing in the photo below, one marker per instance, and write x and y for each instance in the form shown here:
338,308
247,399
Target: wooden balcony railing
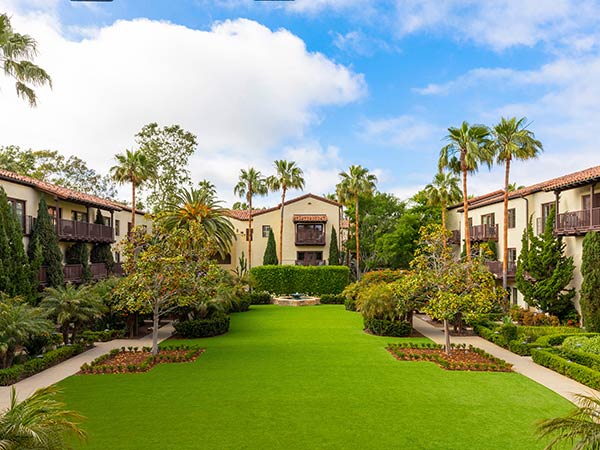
484,233
73,273
317,262
496,268
72,230
455,237
310,237
573,223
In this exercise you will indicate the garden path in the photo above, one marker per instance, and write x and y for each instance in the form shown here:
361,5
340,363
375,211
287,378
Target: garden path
71,366
524,365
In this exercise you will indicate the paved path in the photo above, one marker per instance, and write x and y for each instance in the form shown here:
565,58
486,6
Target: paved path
71,366
524,365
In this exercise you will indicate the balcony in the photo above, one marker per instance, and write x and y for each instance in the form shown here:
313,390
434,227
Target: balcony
575,223
482,233
72,230
310,237
496,268
73,273
454,238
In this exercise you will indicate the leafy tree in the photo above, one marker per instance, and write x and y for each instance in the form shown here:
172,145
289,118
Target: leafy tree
72,307
135,168
589,295
79,253
167,150
287,176
511,141
250,183
356,183
468,148
270,257
334,252
543,272
39,422
14,266
16,52
200,205
44,242
443,191
101,252
240,206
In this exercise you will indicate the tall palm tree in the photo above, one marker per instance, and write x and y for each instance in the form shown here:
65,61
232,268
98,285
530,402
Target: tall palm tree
511,141
287,176
442,191
39,422
467,149
132,167
356,183
16,52
200,205
580,428
251,182
72,307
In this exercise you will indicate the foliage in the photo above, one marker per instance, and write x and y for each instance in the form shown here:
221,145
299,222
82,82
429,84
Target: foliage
43,247
383,327
543,272
589,295
305,279
89,337
200,328
270,256
332,299
550,359
350,304
377,301
101,252
259,298
79,253
583,343
15,276
39,422
334,251
442,192
381,276
167,151
16,52
240,304
533,318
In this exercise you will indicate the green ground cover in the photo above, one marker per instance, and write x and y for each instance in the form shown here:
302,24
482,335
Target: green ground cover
308,378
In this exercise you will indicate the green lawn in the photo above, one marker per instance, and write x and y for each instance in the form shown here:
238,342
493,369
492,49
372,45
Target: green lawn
308,378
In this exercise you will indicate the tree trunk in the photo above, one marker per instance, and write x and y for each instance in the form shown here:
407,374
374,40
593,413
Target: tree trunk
130,327
249,234
132,205
505,235
281,227
447,336
65,335
155,330
357,242
463,166
444,222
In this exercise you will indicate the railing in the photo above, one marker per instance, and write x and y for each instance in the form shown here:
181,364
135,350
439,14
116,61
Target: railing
316,262
98,270
455,237
496,268
73,230
73,273
578,222
484,233
310,237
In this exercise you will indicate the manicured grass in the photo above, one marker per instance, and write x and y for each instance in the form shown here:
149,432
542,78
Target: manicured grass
308,378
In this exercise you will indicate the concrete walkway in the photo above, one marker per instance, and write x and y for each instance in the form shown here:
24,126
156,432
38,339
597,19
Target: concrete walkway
524,365
71,366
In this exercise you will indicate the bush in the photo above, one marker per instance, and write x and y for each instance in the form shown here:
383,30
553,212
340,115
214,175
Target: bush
399,328
585,359
259,298
532,318
350,304
202,327
521,347
552,340
314,280
509,332
101,336
585,344
550,359
332,299
489,334
240,304
534,332
381,276
377,301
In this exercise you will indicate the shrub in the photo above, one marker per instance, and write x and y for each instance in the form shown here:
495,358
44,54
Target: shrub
532,318
489,334
213,326
585,359
588,344
332,299
508,331
315,280
240,304
387,327
521,347
381,276
101,336
534,332
259,298
350,304
548,358
552,340
377,301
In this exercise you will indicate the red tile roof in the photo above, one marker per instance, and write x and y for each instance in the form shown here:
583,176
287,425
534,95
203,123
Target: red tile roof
245,214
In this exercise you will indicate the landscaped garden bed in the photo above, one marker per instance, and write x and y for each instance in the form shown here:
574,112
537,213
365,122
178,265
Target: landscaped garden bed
461,357
132,359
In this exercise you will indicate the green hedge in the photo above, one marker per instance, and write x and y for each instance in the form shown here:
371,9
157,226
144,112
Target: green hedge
551,340
387,327
585,359
548,358
489,335
101,336
534,332
313,280
332,299
202,327
259,298
18,372
241,304
522,348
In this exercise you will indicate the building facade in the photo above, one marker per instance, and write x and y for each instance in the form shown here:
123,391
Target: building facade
575,198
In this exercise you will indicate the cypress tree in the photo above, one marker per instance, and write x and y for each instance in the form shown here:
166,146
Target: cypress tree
590,286
44,239
334,251
79,253
14,267
270,257
101,252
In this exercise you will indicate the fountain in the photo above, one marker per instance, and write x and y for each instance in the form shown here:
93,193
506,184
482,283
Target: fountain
296,299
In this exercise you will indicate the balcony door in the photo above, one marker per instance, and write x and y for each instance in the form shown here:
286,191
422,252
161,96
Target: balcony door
309,258
488,219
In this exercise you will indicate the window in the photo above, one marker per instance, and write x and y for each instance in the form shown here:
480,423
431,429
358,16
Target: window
117,257
117,227
512,218
52,212
79,216
488,219
515,295
223,260
546,208
585,201
512,255
265,230
249,234
18,209
470,222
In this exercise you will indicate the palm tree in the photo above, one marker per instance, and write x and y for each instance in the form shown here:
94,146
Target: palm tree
16,52
72,307
467,149
39,422
200,205
287,176
132,167
357,182
511,140
442,191
251,183
580,428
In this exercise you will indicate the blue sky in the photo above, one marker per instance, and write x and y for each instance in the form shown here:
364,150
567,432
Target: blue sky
328,83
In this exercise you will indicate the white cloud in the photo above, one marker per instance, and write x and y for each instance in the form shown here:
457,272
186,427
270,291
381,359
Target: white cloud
358,43
242,88
400,131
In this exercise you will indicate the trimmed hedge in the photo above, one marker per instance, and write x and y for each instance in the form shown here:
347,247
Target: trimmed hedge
19,371
387,327
535,332
521,348
332,299
259,298
585,359
313,280
550,359
551,340
199,328
101,336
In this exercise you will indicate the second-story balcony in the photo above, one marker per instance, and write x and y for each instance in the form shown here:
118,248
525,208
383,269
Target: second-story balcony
496,268
573,223
483,233
310,237
72,230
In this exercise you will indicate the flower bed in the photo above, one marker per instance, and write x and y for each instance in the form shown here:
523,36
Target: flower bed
460,358
131,359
